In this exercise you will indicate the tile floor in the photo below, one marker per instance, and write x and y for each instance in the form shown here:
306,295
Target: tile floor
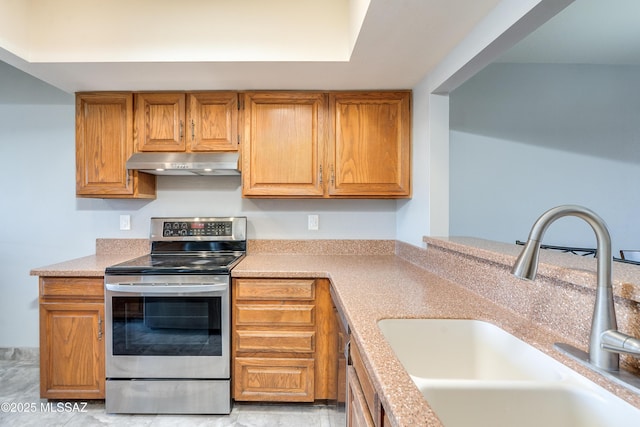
19,391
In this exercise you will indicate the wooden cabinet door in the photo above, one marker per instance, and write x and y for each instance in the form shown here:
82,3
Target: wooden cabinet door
212,121
284,346
370,144
273,379
160,122
283,144
72,350
104,142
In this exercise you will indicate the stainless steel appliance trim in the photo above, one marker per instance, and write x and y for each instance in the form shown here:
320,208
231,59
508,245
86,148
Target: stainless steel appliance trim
178,279
164,288
168,397
188,367
171,163
238,228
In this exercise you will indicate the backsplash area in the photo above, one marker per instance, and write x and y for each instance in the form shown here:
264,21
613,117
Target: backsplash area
561,298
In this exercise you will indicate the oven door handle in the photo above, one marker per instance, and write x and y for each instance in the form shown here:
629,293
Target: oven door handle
191,288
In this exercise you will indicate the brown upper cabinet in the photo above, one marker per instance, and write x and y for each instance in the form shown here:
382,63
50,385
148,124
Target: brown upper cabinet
295,144
284,138
337,144
186,122
370,144
104,142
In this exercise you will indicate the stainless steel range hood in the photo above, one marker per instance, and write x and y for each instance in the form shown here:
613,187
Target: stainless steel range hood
185,163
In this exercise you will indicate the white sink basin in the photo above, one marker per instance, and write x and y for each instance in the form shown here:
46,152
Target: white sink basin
527,406
457,349
473,373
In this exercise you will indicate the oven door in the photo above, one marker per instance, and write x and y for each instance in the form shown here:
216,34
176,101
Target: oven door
167,327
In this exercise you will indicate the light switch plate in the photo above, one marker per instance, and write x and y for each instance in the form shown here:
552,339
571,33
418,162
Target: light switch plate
313,222
125,222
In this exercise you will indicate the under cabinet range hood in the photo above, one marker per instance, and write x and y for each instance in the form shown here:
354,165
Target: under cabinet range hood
185,163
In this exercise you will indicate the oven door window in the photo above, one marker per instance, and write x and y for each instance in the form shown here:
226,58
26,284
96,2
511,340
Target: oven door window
167,326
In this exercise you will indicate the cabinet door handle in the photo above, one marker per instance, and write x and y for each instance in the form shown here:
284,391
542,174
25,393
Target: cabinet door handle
193,130
333,176
320,174
181,129
99,328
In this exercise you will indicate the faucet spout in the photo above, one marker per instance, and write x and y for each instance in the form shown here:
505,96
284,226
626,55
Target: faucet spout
605,342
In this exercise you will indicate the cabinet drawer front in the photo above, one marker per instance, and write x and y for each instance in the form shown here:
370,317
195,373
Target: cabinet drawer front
275,289
72,287
274,380
276,342
368,390
274,315
359,414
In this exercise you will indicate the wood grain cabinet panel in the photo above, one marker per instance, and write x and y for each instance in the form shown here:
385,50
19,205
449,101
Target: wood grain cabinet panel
273,289
274,380
363,399
71,287
104,142
284,344
370,146
276,341
334,144
359,415
368,391
186,121
275,315
212,121
72,353
283,141
160,121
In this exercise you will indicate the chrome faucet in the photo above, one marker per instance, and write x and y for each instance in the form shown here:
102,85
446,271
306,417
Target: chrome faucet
605,341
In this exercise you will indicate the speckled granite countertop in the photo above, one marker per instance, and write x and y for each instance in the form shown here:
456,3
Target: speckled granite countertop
108,252
453,278
374,287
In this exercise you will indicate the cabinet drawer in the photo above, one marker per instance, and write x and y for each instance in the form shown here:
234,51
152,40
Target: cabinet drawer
274,380
274,315
359,414
275,289
276,341
72,287
368,390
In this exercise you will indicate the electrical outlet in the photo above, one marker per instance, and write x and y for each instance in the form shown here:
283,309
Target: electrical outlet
313,222
125,222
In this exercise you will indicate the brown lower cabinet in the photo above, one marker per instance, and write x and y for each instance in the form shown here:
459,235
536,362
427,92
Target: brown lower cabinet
71,338
365,407
284,347
284,344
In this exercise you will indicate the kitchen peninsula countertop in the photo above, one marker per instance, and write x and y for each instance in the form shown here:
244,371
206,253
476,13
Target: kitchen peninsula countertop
453,278
374,287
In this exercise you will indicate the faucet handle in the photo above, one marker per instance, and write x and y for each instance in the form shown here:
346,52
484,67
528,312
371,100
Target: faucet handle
618,342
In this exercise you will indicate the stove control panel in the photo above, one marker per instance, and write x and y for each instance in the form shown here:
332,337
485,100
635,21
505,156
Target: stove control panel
231,228
205,228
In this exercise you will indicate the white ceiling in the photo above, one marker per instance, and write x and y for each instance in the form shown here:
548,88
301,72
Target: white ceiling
586,32
399,42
